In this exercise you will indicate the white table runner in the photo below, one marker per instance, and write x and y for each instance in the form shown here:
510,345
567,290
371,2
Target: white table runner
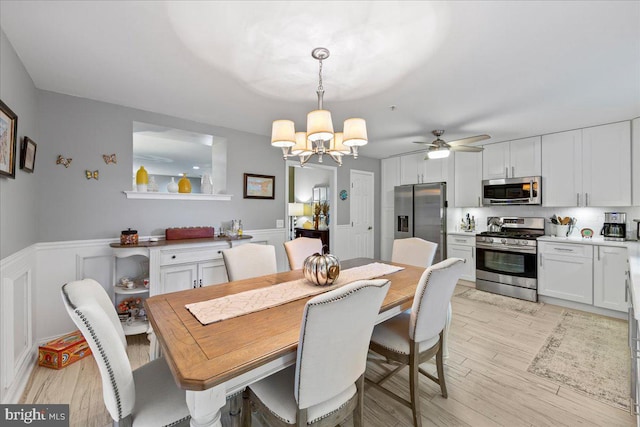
218,309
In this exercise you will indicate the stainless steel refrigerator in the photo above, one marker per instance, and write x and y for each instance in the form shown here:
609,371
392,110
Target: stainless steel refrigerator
420,210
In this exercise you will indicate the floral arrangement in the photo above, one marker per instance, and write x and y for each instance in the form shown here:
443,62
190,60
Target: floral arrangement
129,304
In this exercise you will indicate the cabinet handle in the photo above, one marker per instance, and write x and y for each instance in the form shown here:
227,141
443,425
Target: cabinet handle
479,205
586,199
460,240
513,171
200,282
598,253
626,290
173,257
577,199
565,250
220,252
506,172
194,284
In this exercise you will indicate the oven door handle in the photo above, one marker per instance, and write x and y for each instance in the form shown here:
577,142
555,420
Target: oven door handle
508,248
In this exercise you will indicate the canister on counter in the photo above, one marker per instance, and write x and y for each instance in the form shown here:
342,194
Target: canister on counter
129,237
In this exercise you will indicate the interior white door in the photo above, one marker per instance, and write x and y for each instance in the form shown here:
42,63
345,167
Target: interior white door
361,214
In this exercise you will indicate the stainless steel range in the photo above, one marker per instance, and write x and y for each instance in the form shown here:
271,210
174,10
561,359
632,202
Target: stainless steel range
506,259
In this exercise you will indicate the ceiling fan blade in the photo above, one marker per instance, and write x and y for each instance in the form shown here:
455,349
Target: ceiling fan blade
467,149
469,140
427,144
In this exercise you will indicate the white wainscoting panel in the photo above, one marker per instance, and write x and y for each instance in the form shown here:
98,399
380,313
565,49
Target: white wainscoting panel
17,355
341,241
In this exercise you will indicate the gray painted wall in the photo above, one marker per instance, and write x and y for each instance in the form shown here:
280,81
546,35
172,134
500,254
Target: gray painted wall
18,213
74,208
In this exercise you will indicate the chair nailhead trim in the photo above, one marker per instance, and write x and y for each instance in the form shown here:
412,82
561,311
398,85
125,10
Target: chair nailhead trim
103,355
177,422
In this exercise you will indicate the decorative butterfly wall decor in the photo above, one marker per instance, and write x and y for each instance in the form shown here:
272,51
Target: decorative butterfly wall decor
62,161
91,174
109,158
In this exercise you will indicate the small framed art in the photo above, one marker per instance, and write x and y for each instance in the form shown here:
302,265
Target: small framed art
8,132
28,154
259,186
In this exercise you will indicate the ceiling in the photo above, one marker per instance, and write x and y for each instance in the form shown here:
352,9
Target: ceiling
508,69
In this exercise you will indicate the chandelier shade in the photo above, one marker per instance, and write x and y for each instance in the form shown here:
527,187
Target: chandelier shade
355,132
337,145
283,133
319,126
319,138
303,147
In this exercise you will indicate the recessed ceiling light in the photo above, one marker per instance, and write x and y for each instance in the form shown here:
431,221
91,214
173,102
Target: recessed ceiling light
196,167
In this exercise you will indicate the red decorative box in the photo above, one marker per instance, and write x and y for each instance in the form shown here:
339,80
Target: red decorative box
63,351
188,233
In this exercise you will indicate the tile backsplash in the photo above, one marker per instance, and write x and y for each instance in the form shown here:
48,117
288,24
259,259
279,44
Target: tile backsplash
586,217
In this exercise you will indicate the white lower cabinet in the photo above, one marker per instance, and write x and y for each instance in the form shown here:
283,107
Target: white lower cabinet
204,267
589,274
460,246
565,271
609,275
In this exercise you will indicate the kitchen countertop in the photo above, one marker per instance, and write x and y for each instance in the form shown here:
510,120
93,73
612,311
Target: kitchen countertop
596,240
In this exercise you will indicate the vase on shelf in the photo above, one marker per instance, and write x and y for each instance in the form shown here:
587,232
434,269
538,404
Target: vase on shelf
172,187
206,184
184,185
142,179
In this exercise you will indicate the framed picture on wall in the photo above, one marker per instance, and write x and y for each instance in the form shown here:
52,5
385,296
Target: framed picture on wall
8,132
259,186
28,154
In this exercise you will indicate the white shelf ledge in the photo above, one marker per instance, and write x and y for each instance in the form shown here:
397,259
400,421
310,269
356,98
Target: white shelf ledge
175,196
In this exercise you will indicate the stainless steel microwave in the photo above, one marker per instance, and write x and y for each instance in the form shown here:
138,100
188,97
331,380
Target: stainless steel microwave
512,191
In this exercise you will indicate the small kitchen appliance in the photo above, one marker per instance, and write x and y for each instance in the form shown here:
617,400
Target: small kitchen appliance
512,191
615,226
506,259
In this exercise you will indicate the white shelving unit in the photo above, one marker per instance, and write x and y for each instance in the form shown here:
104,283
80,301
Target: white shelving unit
137,325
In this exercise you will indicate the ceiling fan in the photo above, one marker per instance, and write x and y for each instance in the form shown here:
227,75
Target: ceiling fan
439,149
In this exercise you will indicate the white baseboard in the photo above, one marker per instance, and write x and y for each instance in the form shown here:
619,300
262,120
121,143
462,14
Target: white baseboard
583,307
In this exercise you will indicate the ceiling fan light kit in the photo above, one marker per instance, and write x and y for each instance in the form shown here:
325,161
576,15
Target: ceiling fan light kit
319,139
439,149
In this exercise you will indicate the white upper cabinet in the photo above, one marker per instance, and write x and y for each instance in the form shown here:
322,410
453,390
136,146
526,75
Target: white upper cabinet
495,161
635,152
411,168
588,167
414,169
512,159
525,157
468,179
606,158
562,169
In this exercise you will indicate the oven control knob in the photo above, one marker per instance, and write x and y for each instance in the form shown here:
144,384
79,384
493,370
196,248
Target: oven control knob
504,241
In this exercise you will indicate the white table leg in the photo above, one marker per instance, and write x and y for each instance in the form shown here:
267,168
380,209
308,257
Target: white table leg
445,335
154,348
205,406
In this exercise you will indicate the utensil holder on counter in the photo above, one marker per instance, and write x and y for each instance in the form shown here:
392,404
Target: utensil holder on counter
561,230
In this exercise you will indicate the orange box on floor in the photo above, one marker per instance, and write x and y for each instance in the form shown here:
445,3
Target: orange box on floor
63,351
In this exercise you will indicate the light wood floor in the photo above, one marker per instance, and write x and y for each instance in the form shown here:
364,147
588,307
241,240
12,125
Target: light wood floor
487,379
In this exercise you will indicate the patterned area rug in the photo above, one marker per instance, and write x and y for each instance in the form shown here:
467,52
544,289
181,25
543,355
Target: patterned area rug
588,353
501,301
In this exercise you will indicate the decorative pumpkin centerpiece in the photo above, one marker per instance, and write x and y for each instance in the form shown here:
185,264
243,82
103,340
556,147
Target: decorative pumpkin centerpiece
321,270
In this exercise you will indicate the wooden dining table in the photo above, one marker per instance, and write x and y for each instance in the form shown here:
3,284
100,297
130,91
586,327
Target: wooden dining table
220,359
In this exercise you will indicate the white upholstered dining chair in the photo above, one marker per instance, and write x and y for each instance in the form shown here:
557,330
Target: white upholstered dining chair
250,260
413,251
326,385
299,249
414,337
147,396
